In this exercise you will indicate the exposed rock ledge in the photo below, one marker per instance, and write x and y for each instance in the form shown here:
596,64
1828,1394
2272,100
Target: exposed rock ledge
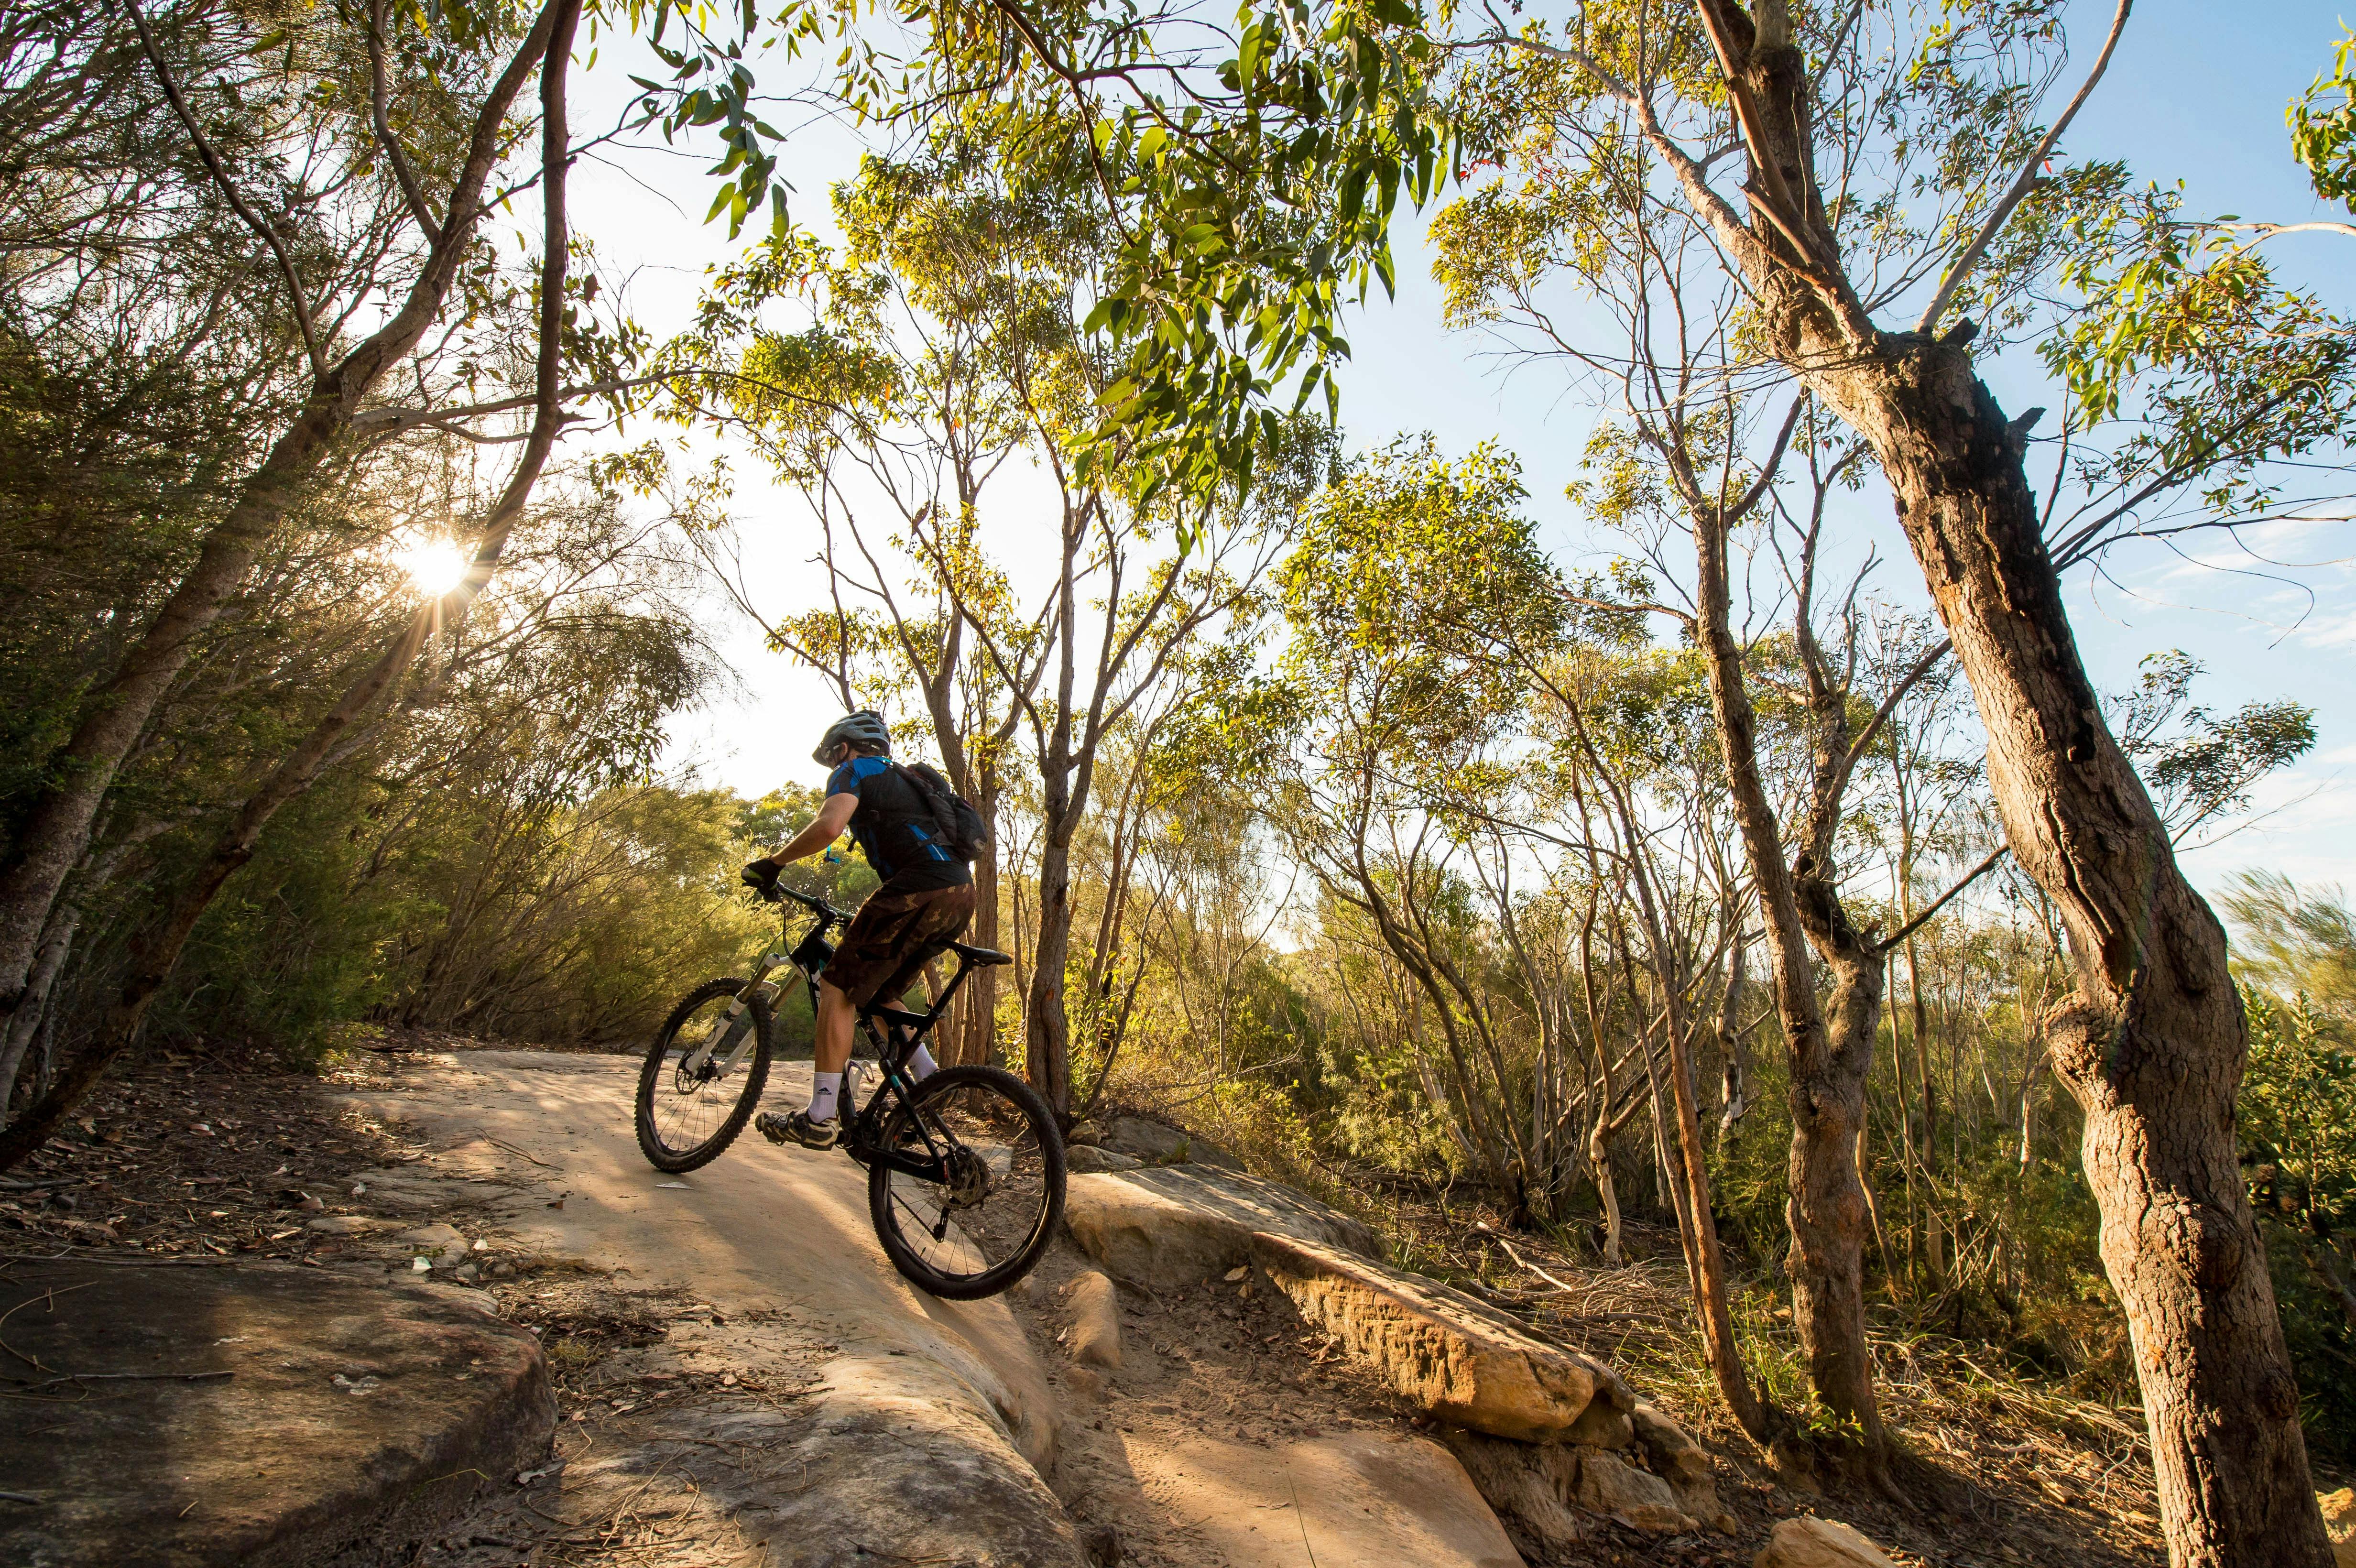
396,1406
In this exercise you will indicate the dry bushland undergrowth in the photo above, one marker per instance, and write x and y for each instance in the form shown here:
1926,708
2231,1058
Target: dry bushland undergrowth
2000,1468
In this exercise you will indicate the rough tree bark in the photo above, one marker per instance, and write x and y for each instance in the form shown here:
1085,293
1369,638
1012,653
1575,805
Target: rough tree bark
2153,1042
1734,1047
1830,1040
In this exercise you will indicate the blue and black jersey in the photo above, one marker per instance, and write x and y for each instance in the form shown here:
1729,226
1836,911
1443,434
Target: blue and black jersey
894,827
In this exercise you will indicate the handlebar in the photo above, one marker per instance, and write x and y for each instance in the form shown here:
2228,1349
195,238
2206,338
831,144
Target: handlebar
817,906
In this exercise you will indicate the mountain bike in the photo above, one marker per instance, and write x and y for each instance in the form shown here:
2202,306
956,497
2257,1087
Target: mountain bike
964,1170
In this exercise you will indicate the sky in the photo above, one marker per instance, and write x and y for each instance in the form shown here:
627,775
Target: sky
2196,93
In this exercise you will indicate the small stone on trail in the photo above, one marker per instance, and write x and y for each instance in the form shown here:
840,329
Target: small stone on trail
1810,1543
342,1224
1095,1321
1237,1273
420,1265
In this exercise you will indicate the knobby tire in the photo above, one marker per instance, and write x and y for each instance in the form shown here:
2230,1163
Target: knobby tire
654,1075
1041,1124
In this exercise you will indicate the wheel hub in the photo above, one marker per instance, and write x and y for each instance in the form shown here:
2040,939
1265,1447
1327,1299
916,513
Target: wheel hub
968,1178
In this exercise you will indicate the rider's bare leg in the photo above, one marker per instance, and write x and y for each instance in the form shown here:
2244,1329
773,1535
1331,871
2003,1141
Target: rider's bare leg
835,1016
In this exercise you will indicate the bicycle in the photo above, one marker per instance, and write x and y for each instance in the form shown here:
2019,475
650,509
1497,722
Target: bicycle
965,1171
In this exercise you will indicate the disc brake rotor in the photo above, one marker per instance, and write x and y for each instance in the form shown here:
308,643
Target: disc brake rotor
968,1178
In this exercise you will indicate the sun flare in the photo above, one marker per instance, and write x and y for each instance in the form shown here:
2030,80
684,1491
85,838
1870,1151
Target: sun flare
436,566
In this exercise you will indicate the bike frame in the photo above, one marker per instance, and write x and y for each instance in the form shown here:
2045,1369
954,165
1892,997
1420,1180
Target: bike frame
894,1032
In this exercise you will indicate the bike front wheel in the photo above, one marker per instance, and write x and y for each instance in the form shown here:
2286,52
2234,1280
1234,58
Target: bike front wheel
703,1076
986,1223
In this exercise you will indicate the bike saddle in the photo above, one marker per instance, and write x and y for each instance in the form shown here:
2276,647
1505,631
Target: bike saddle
984,956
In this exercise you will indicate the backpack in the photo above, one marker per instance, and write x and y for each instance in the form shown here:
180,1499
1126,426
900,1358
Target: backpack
961,827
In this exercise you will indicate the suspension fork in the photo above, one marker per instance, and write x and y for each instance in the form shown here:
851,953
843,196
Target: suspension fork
733,1031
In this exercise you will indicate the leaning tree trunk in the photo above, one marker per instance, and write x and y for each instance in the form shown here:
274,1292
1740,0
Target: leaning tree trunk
155,951
2153,1042
57,828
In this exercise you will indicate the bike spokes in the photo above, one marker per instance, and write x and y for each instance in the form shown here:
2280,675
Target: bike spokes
994,1183
702,1077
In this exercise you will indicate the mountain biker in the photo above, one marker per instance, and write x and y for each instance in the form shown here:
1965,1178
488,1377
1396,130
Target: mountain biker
925,902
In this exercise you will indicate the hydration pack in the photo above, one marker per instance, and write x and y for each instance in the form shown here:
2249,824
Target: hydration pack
959,826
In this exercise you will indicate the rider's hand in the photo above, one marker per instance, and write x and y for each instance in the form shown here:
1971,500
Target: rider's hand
761,876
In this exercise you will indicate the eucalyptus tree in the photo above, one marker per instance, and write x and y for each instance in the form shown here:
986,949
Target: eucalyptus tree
1844,161
1381,725
893,412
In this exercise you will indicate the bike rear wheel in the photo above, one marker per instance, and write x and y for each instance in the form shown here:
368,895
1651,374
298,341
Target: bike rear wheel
982,1229
690,1110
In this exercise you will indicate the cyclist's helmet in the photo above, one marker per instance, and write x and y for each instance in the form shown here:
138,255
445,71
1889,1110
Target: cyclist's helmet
864,730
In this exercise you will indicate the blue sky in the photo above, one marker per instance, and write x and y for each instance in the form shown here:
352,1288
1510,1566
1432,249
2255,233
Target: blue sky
2196,93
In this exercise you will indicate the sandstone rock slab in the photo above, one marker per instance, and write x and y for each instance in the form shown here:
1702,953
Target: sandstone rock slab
1818,1543
1465,1364
1144,1140
1529,1485
1549,1494
931,1421
1671,1452
1088,1159
1357,1499
1154,1143
273,1415
1172,1227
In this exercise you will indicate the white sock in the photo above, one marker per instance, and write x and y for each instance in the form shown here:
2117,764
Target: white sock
921,1065
824,1087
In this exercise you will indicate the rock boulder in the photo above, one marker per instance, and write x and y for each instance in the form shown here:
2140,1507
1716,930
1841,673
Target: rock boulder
1172,1227
1818,1543
1672,1454
1551,1493
1461,1361
262,1415
1094,1334
1144,1141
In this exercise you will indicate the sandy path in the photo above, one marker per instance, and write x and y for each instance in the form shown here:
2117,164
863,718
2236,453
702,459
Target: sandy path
859,1416
866,1419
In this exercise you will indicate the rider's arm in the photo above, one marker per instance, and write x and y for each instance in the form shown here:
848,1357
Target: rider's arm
833,817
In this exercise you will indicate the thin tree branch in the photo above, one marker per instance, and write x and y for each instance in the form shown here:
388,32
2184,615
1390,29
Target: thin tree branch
2022,184
1897,938
380,116
219,172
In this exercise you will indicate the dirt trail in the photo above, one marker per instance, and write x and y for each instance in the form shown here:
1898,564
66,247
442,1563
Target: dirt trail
765,1370
769,1385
